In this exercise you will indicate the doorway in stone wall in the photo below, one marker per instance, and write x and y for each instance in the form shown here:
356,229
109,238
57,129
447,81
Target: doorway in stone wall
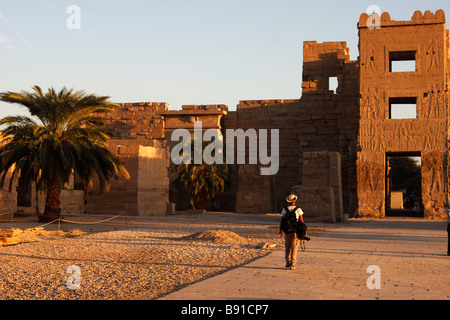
403,185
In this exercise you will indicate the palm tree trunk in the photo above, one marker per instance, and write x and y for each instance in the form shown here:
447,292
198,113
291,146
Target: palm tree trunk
37,197
52,201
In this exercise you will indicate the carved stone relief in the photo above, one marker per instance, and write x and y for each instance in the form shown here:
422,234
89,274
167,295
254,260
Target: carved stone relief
433,173
372,102
433,55
433,102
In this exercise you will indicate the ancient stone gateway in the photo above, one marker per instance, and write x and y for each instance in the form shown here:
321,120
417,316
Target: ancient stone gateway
423,42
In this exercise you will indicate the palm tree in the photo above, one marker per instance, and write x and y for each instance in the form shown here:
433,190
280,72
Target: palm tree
63,136
201,181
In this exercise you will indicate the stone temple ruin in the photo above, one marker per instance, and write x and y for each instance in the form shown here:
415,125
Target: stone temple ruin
333,145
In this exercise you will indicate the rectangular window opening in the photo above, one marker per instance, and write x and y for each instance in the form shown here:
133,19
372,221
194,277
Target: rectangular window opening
402,61
333,84
403,108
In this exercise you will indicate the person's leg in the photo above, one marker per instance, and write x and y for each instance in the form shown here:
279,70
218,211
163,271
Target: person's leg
288,248
295,243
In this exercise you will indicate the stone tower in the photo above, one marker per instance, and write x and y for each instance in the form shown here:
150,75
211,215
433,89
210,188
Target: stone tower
422,43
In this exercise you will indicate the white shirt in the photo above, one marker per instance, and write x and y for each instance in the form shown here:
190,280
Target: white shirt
298,212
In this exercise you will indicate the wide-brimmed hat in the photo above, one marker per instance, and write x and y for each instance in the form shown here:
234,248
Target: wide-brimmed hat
291,198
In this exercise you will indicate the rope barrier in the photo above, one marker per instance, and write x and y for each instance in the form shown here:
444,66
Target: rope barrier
45,224
95,222
75,222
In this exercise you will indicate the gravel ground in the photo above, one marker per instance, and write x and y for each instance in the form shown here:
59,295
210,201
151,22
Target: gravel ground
129,258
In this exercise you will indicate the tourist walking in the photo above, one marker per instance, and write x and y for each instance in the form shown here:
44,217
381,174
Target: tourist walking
290,215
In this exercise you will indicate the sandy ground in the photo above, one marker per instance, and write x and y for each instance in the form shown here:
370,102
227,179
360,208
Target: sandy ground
129,257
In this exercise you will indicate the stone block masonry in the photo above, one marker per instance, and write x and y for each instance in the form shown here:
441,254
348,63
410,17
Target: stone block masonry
423,41
139,138
146,193
320,194
320,120
317,203
137,121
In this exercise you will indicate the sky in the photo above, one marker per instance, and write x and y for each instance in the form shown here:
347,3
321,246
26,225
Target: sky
181,52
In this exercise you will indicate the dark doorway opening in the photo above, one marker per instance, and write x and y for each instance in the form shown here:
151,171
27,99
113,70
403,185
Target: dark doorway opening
404,185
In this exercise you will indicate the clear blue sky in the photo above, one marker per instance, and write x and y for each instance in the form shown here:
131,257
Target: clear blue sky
175,51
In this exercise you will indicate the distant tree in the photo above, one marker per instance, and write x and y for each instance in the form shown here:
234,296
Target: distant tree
62,136
202,181
405,173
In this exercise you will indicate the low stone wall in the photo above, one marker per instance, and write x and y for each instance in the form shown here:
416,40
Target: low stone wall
317,203
146,193
323,169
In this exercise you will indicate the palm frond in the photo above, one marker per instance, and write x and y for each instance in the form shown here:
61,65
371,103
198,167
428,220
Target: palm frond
66,136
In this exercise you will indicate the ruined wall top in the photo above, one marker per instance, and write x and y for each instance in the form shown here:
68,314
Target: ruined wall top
418,18
137,121
209,115
248,104
320,62
204,108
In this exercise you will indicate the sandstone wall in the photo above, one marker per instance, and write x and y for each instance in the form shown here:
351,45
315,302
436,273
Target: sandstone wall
320,121
320,194
426,37
317,203
72,201
137,121
324,169
153,181
146,192
8,199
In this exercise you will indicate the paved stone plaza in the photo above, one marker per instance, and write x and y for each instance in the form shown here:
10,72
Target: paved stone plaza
411,256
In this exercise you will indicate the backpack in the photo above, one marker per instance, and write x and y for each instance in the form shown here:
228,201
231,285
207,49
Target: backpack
289,223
